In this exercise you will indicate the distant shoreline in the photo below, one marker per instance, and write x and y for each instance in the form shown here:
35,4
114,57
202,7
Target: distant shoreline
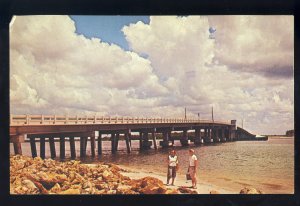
280,136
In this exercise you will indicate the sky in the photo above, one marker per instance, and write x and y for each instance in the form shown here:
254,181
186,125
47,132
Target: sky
107,28
155,67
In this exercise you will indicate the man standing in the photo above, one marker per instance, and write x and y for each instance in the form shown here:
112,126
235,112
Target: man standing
193,162
172,166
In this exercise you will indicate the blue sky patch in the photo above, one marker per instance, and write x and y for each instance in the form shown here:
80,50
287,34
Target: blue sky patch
107,28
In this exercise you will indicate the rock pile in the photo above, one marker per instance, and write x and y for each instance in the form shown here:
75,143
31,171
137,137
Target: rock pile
247,190
185,190
38,176
214,192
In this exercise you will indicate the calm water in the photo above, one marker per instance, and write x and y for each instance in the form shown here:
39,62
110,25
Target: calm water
265,165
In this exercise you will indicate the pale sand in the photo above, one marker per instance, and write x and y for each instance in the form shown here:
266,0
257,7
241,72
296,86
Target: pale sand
202,187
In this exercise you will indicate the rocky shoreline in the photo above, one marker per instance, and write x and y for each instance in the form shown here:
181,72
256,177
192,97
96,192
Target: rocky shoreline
37,176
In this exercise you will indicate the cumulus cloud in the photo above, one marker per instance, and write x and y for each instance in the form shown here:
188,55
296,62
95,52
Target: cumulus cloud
234,72
55,70
259,44
245,72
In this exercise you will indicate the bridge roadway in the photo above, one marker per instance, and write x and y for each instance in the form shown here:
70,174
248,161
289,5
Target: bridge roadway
66,128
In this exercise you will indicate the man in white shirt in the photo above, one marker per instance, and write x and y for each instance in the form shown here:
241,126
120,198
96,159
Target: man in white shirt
193,162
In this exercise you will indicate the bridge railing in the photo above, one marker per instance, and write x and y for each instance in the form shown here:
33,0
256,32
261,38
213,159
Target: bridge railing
21,120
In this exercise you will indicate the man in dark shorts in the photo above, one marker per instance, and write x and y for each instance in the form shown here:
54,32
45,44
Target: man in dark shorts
172,166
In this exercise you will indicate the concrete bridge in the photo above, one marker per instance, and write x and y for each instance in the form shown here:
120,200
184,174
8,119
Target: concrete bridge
92,128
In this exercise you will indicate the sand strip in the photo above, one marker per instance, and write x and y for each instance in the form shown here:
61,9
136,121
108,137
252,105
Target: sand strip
202,187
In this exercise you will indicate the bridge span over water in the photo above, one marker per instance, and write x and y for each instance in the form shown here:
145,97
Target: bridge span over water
94,129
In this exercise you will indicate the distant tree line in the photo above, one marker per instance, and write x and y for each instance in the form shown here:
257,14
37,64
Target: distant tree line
290,133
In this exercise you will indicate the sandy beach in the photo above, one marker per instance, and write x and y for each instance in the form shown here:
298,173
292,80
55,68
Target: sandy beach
202,187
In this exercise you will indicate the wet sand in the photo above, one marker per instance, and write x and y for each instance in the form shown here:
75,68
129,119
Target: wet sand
202,187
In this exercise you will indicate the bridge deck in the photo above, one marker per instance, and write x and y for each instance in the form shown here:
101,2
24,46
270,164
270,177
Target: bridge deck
18,120
35,124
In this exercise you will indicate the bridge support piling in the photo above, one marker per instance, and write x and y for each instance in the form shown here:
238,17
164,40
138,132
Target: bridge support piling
100,144
33,147
42,147
128,145
223,138
82,146
86,139
197,140
113,142
209,134
184,139
17,148
141,141
207,138
233,130
72,147
218,134
62,147
154,140
52,147
93,145
17,140
165,142
227,134
117,141
146,144
214,134
171,139
129,137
